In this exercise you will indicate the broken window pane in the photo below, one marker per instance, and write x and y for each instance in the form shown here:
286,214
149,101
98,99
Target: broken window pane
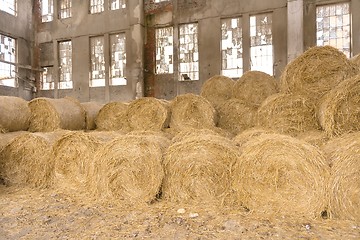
261,48
47,10
231,47
157,1
47,80
164,50
188,52
8,6
96,6
334,29
118,59
65,65
117,4
97,77
65,8
7,57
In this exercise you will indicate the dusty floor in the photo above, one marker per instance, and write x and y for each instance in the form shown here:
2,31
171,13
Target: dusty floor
47,214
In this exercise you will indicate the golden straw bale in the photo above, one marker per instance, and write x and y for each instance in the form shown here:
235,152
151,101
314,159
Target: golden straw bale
281,175
14,114
344,157
127,169
148,113
254,87
339,110
235,116
197,169
356,60
250,133
112,117
315,137
288,114
217,89
190,110
91,110
49,114
316,71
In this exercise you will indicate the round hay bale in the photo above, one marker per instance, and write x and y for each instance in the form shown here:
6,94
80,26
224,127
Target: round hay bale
356,60
5,138
217,89
112,117
288,114
91,110
15,114
235,116
339,110
344,186
190,110
128,169
254,87
316,71
49,114
27,160
193,132
250,133
159,138
315,137
280,175
197,170
148,113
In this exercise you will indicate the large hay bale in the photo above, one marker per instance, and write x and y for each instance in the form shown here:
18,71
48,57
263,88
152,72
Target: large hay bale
316,71
250,133
280,175
127,169
192,132
197,169
217,89
254,87
288,114
158,137
112,117
344,186
49,114
235,116
315,137
14,114
190,110
148,114
91,111
339,110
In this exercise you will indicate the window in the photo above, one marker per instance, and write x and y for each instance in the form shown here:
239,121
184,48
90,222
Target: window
261,48
8,6
7,61
333,26
65,8
118,59
47,80
117,4
47,10
97,77
189,53
65,64
231,47
96,6
157,1
164,50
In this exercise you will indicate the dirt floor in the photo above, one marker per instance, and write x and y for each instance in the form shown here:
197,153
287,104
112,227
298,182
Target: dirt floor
50,214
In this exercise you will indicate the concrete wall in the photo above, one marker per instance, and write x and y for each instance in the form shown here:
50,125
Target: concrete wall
20,28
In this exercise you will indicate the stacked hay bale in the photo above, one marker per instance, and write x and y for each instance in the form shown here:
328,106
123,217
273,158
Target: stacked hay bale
343,155
91,111
49,114
128,169
192,132
280,175
148,114
339,110
112,117
158,137
15,114
217,89
250,133
356,60
197,169
315,137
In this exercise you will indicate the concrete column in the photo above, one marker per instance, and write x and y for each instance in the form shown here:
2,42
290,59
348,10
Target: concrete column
107,66
295,28
246,41
355,13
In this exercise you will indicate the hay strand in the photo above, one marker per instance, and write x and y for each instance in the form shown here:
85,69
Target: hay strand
15,114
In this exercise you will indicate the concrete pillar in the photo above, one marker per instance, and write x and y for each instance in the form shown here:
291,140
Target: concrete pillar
355,13
295,28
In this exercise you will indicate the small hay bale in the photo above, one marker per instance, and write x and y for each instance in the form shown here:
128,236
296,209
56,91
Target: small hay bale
339,110
250,133
344,186
217,89
280,175
288,114
235,116
91,110
148,114
112,117
197,169
356,60
49,114
316,72
190,110
15,114
128,169
315,137
254,87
